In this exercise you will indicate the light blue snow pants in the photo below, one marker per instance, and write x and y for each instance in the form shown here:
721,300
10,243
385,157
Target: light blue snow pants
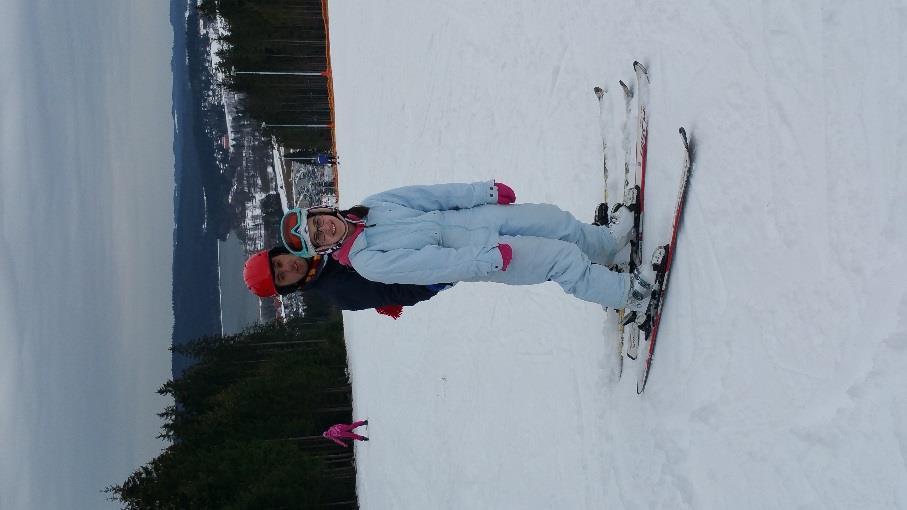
550,244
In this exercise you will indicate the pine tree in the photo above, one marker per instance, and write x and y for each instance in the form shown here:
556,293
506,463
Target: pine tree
246,422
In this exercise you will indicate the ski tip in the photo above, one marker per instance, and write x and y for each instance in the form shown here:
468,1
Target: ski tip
644,378
687,144
642,74
627,91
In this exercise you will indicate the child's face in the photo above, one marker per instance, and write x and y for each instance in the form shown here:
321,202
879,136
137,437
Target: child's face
325,230
288,269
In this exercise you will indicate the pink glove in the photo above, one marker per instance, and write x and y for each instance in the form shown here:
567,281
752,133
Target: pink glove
505,193
506,254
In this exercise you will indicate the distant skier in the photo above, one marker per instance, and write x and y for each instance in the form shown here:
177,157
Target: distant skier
317,158
469,232
276,271
325,159
344,431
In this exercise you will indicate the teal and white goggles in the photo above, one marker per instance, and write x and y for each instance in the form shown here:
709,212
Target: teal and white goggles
294,232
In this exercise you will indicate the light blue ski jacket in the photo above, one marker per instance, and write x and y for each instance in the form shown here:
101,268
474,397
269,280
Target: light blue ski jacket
429,234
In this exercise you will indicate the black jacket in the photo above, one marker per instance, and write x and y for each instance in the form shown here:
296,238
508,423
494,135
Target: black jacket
344,287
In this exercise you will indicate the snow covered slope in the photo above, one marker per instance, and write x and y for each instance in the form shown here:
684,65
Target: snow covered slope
779,380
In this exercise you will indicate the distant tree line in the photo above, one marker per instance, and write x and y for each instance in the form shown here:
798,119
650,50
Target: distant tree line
245,429
278,36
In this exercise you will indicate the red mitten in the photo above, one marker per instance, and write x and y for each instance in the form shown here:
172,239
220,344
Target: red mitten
392,311
506,254
505,193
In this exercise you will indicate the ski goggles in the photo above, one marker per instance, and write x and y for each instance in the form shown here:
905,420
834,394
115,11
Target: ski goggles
294,232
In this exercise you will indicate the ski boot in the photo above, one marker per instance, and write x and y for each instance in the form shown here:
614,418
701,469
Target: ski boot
642,286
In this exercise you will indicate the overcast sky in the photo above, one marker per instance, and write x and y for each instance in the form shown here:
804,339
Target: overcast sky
86,226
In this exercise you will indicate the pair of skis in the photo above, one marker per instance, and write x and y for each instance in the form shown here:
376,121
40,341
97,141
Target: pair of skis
631,189
634,193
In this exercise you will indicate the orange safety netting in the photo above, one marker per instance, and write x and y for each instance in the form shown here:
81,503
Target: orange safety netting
330,83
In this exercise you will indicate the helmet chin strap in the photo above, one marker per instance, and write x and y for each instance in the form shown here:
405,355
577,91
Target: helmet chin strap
346,230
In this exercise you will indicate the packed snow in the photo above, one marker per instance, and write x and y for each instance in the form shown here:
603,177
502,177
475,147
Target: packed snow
779,377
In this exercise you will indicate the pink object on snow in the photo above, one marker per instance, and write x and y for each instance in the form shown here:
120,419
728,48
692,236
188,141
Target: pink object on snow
344,431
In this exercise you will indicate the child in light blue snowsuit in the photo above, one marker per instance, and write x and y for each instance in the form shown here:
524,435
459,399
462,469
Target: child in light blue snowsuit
470,232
